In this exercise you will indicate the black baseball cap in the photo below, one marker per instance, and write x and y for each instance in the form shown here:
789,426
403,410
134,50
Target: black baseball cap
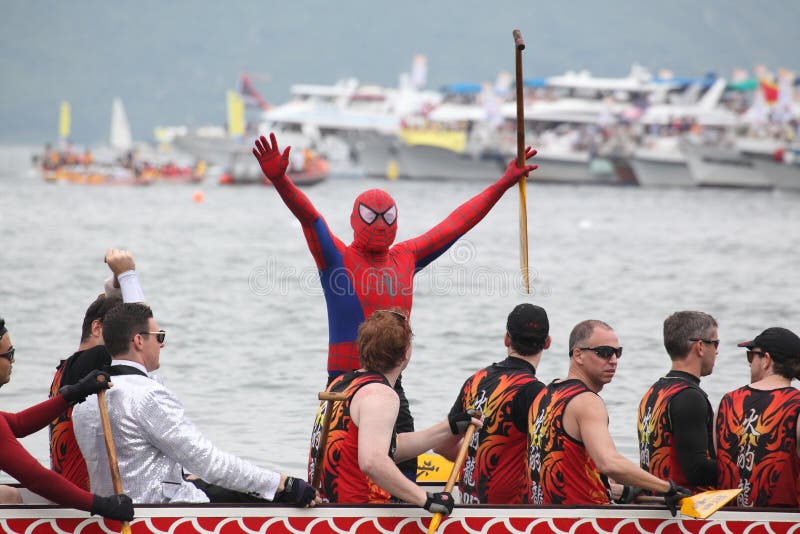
528,322
782,344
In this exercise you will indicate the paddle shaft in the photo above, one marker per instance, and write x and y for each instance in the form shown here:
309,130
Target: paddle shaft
451,481
519,46
330,398
112,451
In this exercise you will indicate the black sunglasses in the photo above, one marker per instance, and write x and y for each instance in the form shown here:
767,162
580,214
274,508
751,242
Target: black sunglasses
8,355
605,351
753,353
161,335
714,342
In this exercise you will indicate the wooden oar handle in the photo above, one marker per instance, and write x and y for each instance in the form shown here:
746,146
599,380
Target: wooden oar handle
110,449
451,481
649,499
518,41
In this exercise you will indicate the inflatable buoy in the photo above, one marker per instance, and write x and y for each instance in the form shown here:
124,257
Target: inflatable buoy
198,196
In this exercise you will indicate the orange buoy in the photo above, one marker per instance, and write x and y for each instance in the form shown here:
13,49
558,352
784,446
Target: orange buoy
198,196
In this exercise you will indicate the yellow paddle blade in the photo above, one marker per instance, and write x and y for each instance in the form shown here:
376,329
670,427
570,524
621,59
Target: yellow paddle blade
433,468
704,504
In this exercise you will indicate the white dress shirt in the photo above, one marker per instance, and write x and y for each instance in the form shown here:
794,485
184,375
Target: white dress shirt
154,440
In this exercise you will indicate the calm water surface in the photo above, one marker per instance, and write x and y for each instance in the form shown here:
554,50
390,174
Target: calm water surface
232,282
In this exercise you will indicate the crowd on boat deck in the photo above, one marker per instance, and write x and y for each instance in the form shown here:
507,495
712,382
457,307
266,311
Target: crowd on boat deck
526,442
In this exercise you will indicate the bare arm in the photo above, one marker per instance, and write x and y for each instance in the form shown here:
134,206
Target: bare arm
439,437
374,410
586,419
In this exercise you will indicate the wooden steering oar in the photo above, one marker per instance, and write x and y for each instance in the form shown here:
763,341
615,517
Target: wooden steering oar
323,437
519,46
451,481
112,451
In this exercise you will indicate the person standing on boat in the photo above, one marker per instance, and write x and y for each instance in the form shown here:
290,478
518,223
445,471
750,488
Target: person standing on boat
758,425
362,447
675,421
495,471
371,273
571,454
155,440
65,456
18,463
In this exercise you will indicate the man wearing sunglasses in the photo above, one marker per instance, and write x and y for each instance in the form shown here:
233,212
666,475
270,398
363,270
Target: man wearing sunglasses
758,425
18,463
155,440
371,273
571,454
65,456
675,419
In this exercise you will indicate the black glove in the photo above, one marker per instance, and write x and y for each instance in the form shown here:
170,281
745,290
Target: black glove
296,491
88,385
439,503
461,420
629,494
673,496
119,507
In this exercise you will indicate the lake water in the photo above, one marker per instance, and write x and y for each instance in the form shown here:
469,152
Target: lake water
232,282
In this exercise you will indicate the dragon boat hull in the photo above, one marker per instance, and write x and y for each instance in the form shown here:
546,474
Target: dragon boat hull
266,519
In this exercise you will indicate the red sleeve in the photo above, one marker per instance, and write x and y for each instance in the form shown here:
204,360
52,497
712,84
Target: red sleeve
18,463
314,226
297,201
36,417
438,239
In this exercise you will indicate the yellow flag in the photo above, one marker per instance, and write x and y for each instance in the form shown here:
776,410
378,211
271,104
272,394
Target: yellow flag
64,120
235,114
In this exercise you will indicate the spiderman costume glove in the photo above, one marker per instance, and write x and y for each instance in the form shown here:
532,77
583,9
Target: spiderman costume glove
514,173
273,163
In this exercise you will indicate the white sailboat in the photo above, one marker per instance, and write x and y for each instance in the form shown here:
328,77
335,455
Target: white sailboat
120,138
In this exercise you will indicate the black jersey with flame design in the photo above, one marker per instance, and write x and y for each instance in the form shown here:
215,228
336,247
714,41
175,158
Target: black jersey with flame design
757,446
494,471
560,469
657,451
341,479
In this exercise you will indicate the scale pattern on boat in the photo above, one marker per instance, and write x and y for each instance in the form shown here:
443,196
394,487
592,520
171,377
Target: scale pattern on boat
217,520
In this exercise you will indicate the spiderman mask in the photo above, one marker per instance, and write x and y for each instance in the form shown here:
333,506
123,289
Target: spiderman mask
374,220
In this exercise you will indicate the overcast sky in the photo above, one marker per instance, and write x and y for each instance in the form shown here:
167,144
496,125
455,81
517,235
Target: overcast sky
171,62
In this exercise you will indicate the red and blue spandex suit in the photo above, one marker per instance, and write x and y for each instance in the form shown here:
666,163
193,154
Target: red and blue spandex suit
370,273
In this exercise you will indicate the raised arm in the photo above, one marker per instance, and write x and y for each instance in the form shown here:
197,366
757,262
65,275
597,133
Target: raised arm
438,239
273,163
122,265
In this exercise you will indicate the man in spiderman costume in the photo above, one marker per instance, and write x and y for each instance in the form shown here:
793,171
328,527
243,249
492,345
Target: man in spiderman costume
370,273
